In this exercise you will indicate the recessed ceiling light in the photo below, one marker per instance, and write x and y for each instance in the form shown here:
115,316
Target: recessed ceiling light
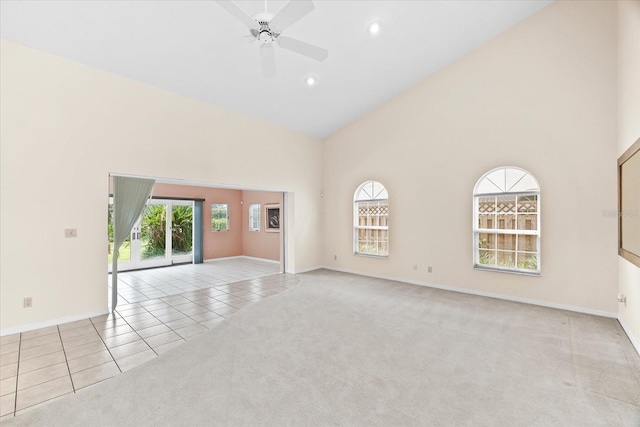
374,27
311,80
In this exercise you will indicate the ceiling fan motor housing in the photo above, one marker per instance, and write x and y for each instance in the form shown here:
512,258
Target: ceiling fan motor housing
264,34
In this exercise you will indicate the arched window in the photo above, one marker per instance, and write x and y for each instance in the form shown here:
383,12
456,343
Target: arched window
371,220
506,221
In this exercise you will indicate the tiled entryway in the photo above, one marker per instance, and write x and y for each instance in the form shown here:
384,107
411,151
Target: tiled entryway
39,366
143,285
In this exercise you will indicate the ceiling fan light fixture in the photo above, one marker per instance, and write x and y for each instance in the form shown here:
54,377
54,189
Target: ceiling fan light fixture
311,80
374,28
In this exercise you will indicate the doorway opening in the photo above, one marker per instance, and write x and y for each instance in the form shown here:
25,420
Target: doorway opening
193,222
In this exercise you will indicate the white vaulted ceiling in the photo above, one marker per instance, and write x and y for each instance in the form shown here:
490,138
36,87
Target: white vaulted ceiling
197,49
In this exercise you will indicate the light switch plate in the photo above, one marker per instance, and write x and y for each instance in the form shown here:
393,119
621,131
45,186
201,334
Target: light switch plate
70,233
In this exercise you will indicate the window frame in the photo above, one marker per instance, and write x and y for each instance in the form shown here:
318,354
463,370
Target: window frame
228,223
477,231
357,226
253,209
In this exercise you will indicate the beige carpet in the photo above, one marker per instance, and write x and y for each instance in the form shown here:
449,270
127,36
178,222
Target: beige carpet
347,350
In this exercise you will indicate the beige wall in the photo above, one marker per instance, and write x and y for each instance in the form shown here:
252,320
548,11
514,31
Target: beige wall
541,96
628,133
259,244
65,126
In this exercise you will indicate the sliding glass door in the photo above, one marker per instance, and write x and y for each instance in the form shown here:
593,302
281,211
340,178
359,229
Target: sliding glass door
151,237
181,232
162,236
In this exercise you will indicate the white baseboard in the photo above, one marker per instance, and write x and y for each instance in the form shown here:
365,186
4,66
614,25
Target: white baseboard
272,261
53,322
627,330
241,257
307,270
223,258
481,293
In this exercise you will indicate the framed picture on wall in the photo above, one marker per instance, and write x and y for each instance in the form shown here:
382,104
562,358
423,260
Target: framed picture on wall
629,204
272,219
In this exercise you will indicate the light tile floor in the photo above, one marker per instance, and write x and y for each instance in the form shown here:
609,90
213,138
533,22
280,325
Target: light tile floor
39,366
143,285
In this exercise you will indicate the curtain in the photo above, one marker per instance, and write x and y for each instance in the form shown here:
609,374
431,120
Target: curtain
197,231
129,200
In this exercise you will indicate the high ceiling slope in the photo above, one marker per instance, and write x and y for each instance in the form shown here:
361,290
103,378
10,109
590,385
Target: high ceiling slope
196,48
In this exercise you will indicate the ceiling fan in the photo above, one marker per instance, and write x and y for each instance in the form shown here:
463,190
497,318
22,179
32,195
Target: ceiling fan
267,29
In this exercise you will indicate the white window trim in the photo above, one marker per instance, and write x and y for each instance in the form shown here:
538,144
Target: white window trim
357,227
251,216
477,231
228,221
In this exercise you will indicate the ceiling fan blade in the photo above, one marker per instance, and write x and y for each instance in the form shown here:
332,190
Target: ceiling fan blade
290,14
306,49
239,14
268,59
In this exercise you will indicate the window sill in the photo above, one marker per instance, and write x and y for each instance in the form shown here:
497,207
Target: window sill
504,270
371,255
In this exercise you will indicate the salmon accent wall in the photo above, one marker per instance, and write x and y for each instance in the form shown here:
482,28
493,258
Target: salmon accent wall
260,244
238,240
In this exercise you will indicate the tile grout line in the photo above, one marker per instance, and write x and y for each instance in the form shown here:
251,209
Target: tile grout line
35,385
147,284
65,357
105,344
186,315
88,354
198,304
136,332
172,330
15,400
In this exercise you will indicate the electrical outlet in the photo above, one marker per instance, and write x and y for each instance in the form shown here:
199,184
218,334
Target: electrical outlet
415,266
335,257
70,233
28,302
430,270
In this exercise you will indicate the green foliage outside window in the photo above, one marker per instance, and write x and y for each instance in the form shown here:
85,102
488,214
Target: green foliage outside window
527,261
154,230
219,217
182,229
